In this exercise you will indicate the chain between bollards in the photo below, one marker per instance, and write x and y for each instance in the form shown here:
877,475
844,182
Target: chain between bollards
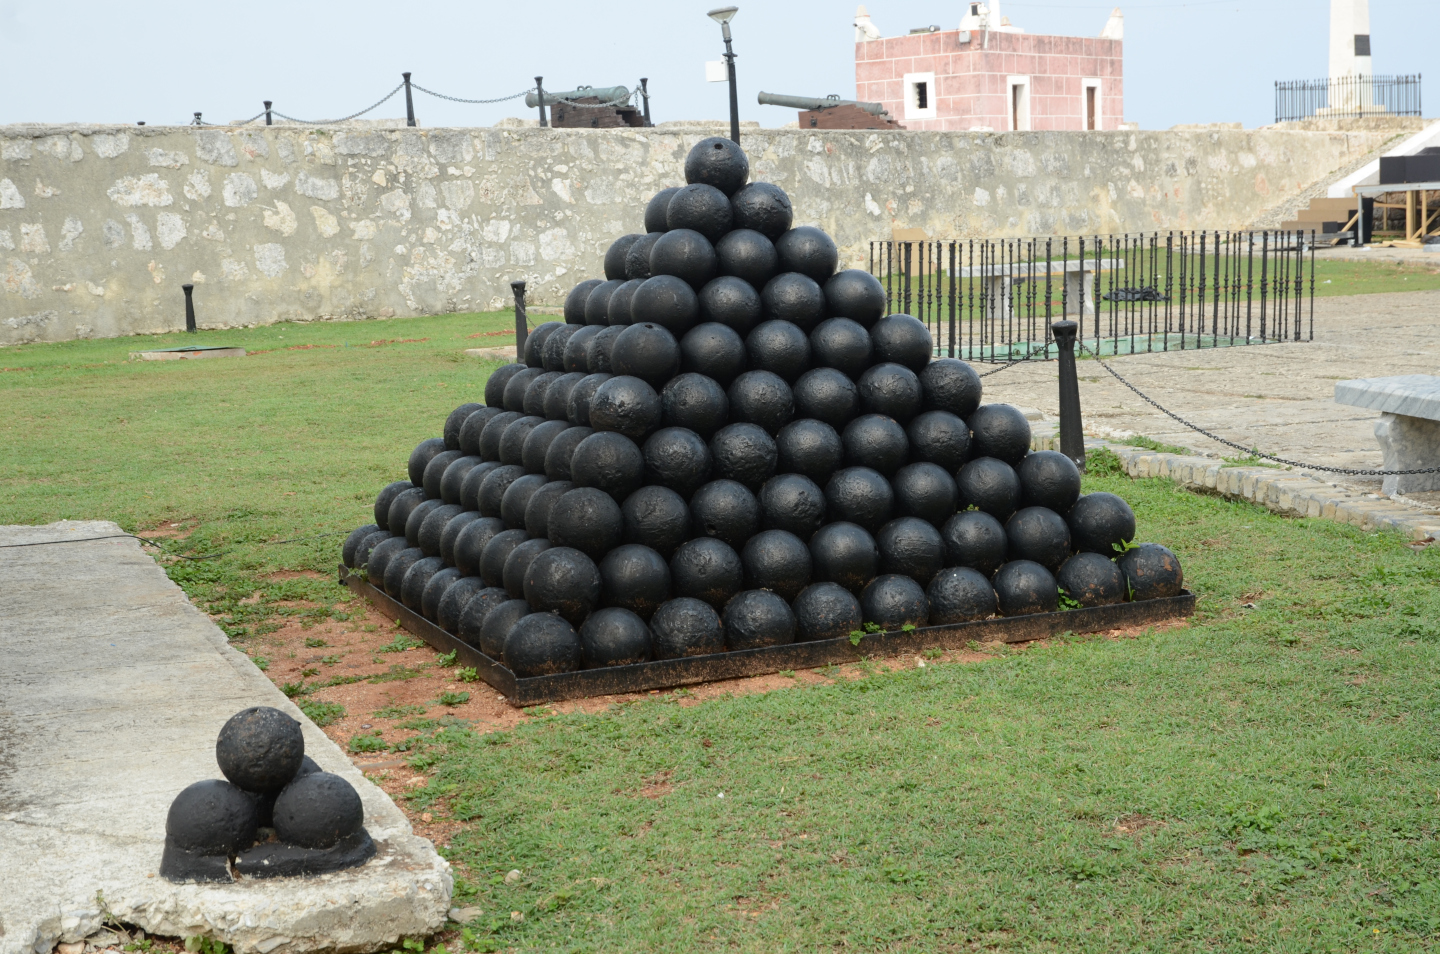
1072,438
189,291
521,321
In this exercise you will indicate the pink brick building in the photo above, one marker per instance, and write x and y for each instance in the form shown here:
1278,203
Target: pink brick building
998,79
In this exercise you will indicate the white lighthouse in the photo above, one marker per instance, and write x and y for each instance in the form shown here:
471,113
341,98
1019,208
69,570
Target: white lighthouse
1350,69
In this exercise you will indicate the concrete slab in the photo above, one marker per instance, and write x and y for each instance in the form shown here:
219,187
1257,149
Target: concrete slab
112,690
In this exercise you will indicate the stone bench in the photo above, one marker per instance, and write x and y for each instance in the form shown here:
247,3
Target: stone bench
1409,425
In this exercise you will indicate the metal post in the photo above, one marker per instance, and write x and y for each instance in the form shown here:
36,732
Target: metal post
540,98
521,323
734,96
645,95
268,121
189,291
197,121
409,102
1072,439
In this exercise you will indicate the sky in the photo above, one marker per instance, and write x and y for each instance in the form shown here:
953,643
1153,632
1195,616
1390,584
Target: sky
161,60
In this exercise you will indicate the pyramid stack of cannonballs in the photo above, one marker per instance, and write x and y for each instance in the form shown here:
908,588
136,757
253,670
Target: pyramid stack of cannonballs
729,444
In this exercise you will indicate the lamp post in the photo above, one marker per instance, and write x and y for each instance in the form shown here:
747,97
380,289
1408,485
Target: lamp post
723,16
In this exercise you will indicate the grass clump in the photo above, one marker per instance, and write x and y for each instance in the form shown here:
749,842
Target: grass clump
322,713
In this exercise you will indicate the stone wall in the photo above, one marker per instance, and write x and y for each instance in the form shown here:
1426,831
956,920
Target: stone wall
100,226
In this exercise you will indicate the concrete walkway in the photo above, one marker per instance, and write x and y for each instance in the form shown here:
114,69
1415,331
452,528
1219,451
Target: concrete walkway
112,690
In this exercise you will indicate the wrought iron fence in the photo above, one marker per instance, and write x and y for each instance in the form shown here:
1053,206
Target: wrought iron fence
1352,95
993,300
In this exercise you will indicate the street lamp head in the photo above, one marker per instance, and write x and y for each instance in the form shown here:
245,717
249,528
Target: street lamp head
723,15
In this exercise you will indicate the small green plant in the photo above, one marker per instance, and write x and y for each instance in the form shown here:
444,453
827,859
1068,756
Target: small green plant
399,712
855,636
908,628
447,659
262,663
309,671
788,673
206,945
934,652
144,945
1104,463
295,689
1154,445
330,660
1067,602
398,674
400,643
454,698
368,742
467,674
322,713
314,642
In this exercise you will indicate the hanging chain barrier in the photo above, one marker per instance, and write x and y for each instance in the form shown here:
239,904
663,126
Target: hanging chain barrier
474,102
328,122
1021,360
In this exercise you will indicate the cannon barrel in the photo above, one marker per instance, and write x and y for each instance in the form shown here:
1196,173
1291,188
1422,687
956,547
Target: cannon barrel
816,102
606,94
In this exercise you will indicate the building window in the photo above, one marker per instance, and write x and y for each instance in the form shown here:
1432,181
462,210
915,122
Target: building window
1019,103
920,96
1090,104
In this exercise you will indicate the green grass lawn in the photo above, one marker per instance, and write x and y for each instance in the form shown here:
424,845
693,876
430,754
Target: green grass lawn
1264,779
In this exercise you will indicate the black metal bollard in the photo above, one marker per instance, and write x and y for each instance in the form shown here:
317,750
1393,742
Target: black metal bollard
645,95
1072,438
540,97
197,121
189,291
521,321
409,102
268,121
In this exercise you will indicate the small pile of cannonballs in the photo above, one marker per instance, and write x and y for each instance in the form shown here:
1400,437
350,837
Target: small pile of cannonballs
729,444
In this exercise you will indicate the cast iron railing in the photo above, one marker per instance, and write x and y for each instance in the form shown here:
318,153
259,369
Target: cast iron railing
1352,95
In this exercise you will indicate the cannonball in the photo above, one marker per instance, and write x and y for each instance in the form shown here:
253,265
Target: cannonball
367,547
618,313
416,520
575,302
793,297
842,344
706,569
757,618
516,498
779,346
533,354
685,254
537,444
401,506
454,599
586,519
825,611
560,580
520,381
903,340
648,352
975,539
686,627
717,162
747,254
512,440
764,207
317,810
499,378
958,594
470,544
1092,579
553,354
1049,479
701,208
610,462
950,385
602,346
826,394
892,601
614,637
911,546
493,487
875,441
732,302
625,405
498,624
1023,587
678,458
615,255
809,448
577,409
562,451
635,578
656,517
533,404
386,498
597,304
809,251
999,431
1038,534
860,495
1099,523
939,437
726,510
577,351
1152,572
492,432
476,610
926,491
417,578
473,427
714,350
213,818
453,480
451,534
667,301
844,553
990,485
421,456
763,398
777,560
435,471
792,502
379,560
433,527
454,421
656,209
637,260
855,294
542,644
496,552
260,749
696,402
743,453
890,389
474,480
353,541
537,510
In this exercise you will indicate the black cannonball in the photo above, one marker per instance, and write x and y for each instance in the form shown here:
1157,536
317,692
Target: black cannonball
435,472
386,498
777,560
412,585
618,313
586,519
656,517
435,590
474,426
825,611
401,506
610,462
792,502
890,389
1049,479
416,520
519,382
860,495
744,453
842,344
844,553
999,431
212,817
577,353
474,480
499,622
492,432
763,398
855,294
1023,587
597,305
951,385
893,602
599,349
474,613
432,528
537,509
635,578
1038,534
726,510
667,301
453,601
779,346
637,260
1099,523
657,207
353,541
452,482
317,810
451,534
975,539
958,594
516,498
875,441
827,395
470,544
809,251
927,491
701,208
367,547
685,254
747,254
939,437
421,456
492,489
678,458
499,378
903,340
732,302
694,401
796,298
260,749
625,405
614,637
537,444
455,421
562,451
533,404
561,580
533,354
1152,572
542,644
379,560
990,485
648,352
1092,579
686,627
575,302
911,546
577,408
757,618
706,569
717,162
553,354
764,207
809,448
714,350
615,255
496,552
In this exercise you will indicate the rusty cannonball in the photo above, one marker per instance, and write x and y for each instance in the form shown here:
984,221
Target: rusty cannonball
744,453
609,462
657,208
575,302
810,448
553,354
586,519
726,510
667,301
473,427
717,162
562,450
497,551
694,401
492,489
416,579
401,506
842,344
617,314
904,340
685,254
755,618
706,569
615,255
453,480
515,499
453,601
597,303
537,509
678,458
1023,587
500,377
561,580
577,354
857,295
990,485
860,495
780,347
844,553
686,627
499,621
537,444
1039,534
454,421
386,498
794,503
714,350
1099,523
474,613
939,437
764,207
470,544
577,408
747,254
825,611
959,594
809,251
260,749
637,260
648,352
353,541
421,456
493,430
890,389
519,382
911,546
791,296
1049,479
951,385
732,302
976,540
656,517
1000,431
701,208
601,347
927,491
1152,572
614,637
892,601
826,394
777,560
1092,579
875,441
635,578
763,398
625,405
542,644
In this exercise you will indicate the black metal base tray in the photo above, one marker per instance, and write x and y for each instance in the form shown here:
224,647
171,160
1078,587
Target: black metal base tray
668,673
